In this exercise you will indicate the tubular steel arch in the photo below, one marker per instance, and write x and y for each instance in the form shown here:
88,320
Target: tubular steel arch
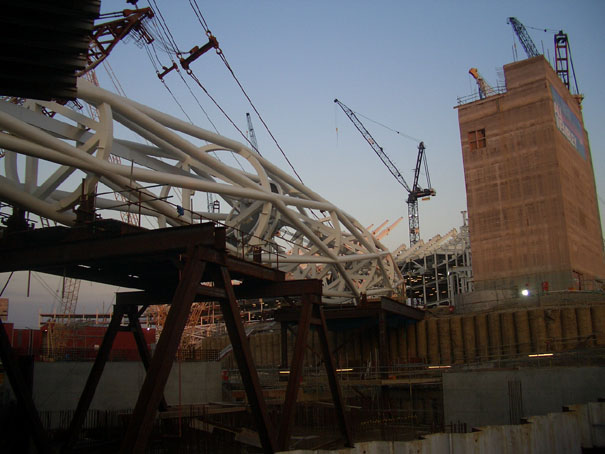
271,214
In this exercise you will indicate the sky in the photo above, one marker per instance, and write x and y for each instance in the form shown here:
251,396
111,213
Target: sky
401,64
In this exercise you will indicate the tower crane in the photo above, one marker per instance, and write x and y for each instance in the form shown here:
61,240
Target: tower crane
524,38
562,51
563,61
414,191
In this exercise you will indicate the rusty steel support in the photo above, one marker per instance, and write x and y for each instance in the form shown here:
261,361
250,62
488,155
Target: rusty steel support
332,379
383,344
23,395
311,315
284,345
137,332
93,378
243,356
296,370
151,393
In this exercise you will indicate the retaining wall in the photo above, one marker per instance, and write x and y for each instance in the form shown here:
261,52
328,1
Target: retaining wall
58,385
451,339
582,426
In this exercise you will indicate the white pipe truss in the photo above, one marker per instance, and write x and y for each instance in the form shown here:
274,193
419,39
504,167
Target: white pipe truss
46,157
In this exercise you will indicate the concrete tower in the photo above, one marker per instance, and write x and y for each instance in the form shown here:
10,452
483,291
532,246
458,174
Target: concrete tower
533,213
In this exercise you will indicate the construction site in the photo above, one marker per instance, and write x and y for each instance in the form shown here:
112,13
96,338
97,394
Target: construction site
272,320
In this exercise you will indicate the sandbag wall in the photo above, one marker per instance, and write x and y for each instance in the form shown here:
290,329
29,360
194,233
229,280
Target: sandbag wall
451,339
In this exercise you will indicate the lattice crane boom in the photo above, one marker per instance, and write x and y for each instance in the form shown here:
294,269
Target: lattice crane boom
524,38
107,35
415,192
377,148
251,133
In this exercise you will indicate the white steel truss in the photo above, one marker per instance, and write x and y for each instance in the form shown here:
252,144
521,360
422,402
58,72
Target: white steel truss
271,215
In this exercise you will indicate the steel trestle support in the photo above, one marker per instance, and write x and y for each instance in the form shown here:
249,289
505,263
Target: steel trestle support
311,315
101,359
93,378
152,390
295,372
243,356
24,397
343,422
171,270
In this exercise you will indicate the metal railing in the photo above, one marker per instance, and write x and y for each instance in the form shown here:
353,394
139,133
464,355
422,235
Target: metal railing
497,90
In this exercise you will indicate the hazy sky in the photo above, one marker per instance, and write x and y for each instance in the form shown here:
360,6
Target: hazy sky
400,63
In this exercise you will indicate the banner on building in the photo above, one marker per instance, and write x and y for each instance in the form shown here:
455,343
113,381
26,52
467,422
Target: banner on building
568,123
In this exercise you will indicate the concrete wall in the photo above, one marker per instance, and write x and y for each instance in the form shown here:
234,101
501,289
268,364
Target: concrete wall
57,386
495,397
555,433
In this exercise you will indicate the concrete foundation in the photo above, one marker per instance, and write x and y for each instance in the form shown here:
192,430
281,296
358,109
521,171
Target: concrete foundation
569,432
504,396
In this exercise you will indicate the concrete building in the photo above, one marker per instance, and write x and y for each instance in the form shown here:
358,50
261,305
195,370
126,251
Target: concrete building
532,206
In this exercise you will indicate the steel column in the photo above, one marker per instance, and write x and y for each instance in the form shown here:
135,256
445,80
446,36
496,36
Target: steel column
284,345
296,368
243,356
334,384
137,333
383,344
23,395
94,377
152,390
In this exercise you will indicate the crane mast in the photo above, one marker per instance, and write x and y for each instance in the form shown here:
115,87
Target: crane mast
415,191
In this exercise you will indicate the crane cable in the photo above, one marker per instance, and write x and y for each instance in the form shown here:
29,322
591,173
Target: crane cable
389,128
162,80
173,49
164,26
545,30
197,100
220,53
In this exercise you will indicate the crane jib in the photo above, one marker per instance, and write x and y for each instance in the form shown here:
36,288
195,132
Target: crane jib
415,192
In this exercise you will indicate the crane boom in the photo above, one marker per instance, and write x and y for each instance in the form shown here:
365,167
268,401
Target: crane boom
251,133
107,35
377,148
524,38
485,89
415,192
